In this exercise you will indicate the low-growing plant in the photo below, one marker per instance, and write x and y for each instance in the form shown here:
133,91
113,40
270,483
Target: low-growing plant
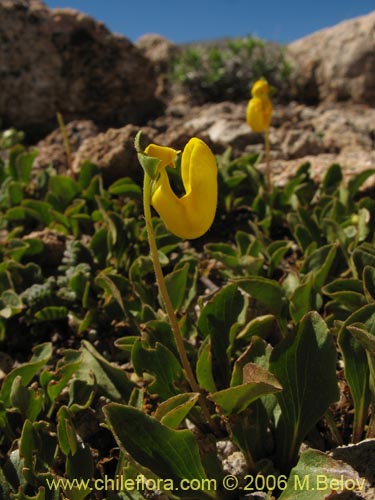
276,319
223,70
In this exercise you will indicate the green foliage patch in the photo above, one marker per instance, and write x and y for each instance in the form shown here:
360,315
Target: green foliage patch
223,70
275,314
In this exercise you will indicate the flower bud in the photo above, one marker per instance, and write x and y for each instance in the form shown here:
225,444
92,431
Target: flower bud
259,108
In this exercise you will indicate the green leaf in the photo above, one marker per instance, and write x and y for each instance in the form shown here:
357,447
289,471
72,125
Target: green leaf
305,365
277,251
348,292
149,164
356,365
161,363
168,453
176,282
268,292
66,433
356,182
215,321
224,253
64,188
125,186
39,443
52,313
24,164
99,245
332,179
363,256
173,411
16,214
87,171
320,262
160,331
39,210
28,402
58,379
35,247
10,303
81,394
42,354
369,283
303,237
302,299
79,465
108,283
204,367
112,382
262,326
364,337
317,475
309,222
257,382
15,192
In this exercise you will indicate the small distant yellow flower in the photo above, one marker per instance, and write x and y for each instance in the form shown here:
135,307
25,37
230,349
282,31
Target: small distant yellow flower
259,108
191,215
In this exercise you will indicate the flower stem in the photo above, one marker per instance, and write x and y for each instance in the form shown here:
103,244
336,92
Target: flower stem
68,150
333,428
268,161
167,301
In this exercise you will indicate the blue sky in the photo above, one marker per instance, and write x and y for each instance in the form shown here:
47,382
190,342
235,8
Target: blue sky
194,20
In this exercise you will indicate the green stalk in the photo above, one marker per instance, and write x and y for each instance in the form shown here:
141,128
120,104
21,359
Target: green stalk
268,161
333,427
66,143
359,421
147,182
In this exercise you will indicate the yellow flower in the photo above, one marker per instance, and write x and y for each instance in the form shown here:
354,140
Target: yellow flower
191,215
259,109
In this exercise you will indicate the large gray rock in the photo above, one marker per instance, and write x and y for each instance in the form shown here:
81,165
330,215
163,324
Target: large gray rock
62,60
336,64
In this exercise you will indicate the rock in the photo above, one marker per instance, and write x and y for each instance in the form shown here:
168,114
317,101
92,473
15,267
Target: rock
352,164
336,64
232,133
158,49
323,135
352,128
221,125
54,246
361,457
52,151
62,60
299,143
114,153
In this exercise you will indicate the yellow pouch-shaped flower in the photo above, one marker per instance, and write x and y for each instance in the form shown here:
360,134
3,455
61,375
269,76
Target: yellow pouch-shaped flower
259,108
191,215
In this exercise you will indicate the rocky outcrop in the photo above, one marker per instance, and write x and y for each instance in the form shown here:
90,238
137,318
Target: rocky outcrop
336,64
63,60
322,135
